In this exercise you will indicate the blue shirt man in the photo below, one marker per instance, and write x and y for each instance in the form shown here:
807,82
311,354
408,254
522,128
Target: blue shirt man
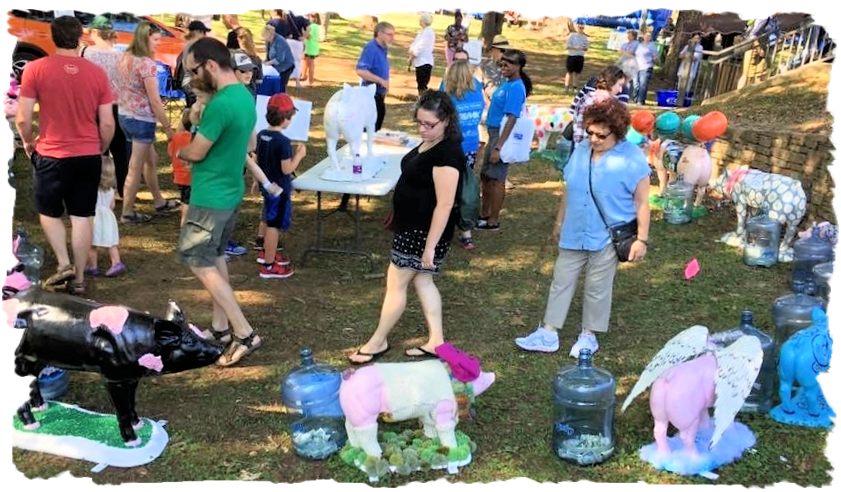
373,65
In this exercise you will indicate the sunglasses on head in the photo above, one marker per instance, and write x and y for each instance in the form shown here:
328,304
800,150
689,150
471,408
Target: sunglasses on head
600,136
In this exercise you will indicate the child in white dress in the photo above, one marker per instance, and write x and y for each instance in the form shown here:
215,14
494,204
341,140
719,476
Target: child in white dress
105,228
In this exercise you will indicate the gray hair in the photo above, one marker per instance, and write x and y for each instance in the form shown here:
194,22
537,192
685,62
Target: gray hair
426,19
381,26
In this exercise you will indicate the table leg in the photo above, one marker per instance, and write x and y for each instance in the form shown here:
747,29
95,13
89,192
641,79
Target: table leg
317,248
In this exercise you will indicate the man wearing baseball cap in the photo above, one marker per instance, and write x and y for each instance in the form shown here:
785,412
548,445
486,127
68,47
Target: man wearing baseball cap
195,31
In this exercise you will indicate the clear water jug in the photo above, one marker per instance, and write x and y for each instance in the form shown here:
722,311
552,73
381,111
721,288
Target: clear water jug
312,389
823,275
584,398
761,396
808,253
32,257
762,241
792,313
677,202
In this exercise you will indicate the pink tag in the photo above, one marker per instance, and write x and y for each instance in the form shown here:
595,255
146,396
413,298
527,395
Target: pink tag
692,269
152,362
113,317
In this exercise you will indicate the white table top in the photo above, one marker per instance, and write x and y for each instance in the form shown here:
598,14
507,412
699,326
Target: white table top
380,185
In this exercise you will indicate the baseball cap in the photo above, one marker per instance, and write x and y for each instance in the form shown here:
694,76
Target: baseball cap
243,62
101,23
281,102
500,41
197,25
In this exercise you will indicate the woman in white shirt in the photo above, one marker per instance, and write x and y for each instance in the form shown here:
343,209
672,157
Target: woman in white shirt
645,55
691,53
420,52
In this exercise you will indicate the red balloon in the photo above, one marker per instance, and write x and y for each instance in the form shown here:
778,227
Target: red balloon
537,122
710,126
643,121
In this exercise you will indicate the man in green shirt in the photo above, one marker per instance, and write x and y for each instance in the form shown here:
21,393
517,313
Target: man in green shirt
218,154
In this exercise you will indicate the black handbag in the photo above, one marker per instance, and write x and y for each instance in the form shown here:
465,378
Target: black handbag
623,235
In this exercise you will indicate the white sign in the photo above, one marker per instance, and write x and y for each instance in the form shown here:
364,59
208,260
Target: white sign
299,129
474,51
62,13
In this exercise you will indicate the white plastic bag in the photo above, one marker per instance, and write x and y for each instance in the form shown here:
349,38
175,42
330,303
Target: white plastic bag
517,147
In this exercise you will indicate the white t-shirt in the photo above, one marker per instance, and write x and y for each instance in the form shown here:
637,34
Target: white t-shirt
577,43
422,47
645,55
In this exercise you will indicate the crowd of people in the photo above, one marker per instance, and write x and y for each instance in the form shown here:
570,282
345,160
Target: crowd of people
466,121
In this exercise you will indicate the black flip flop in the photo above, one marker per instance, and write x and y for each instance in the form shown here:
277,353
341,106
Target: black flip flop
373,356
424,353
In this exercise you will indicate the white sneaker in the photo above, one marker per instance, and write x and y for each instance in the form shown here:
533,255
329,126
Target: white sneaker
584,341
539,340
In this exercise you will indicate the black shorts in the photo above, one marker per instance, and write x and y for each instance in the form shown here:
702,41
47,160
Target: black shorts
311,57
185,193
575,64
66,184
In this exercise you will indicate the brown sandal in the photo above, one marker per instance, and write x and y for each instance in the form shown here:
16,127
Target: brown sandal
230,357
62,275
76,288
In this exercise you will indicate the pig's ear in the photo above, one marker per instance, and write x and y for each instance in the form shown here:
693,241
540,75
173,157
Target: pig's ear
167,333
175,314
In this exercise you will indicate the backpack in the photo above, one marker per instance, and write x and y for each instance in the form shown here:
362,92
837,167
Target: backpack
467,201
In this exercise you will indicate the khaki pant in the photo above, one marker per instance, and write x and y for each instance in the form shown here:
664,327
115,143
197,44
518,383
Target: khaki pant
598,287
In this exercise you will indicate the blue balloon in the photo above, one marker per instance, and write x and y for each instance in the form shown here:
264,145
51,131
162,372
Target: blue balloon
667,124
686,127
634,136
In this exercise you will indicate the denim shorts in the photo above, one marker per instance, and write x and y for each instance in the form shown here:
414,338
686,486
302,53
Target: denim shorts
137,130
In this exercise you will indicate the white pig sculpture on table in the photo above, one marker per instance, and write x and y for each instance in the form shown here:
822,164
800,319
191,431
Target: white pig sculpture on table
348,113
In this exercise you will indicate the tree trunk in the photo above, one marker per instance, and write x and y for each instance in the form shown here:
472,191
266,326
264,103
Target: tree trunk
369,22
561,27
491,26
679,40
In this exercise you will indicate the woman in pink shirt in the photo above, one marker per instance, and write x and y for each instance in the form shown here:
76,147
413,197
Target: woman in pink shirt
139,106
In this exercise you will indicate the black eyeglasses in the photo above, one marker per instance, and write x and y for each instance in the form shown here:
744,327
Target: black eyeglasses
600,136
428,126
195,70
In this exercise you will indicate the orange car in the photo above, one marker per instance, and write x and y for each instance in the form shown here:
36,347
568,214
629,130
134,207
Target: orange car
32,30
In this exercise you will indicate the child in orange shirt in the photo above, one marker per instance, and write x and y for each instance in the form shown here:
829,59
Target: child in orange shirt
181,172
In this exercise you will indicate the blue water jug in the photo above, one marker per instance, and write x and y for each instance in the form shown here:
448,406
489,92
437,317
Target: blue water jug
312,389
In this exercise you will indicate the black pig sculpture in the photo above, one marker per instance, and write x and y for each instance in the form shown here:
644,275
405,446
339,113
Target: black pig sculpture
121,344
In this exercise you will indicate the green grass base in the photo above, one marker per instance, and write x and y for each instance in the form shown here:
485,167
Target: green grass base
60,420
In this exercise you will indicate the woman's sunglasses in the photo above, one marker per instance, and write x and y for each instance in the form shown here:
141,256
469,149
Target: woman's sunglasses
600,136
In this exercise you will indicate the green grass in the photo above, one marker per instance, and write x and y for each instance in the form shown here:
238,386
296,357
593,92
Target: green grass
227,424
62,421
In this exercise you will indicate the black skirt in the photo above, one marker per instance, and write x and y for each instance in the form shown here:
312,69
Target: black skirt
407,249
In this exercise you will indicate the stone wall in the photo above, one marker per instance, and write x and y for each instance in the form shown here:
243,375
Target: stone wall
801,156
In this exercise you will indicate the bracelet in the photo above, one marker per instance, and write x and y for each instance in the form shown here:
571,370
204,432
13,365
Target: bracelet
643,241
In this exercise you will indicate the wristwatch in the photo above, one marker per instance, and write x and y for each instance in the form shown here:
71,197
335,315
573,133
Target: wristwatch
643,241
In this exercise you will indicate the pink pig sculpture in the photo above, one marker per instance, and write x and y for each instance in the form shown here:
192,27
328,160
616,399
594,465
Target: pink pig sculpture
403,391
689,376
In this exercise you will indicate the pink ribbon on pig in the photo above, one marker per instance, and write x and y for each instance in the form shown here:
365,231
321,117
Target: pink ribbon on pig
112,317
150,361
464,367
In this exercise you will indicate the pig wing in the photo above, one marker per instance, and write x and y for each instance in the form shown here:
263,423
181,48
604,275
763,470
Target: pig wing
686,345
738,367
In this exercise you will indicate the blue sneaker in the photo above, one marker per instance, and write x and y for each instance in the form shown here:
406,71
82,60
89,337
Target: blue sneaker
235,249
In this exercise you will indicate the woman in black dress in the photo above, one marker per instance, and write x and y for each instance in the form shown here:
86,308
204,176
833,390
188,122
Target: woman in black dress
424,219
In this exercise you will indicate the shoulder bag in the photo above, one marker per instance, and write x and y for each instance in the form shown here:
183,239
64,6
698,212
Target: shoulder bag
623,235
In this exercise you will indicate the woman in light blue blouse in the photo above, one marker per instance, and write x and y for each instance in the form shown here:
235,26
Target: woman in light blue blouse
619,175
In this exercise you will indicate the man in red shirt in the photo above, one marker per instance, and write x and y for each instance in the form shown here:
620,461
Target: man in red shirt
75,126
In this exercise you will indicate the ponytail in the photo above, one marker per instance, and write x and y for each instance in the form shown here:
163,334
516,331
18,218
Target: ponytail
526,82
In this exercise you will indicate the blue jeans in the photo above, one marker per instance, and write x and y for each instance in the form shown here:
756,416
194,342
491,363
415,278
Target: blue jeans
641,84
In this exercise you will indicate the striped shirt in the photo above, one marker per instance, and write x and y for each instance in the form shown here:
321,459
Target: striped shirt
582,100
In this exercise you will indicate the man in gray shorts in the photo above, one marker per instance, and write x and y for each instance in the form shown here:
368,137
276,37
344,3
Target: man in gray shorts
218,155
